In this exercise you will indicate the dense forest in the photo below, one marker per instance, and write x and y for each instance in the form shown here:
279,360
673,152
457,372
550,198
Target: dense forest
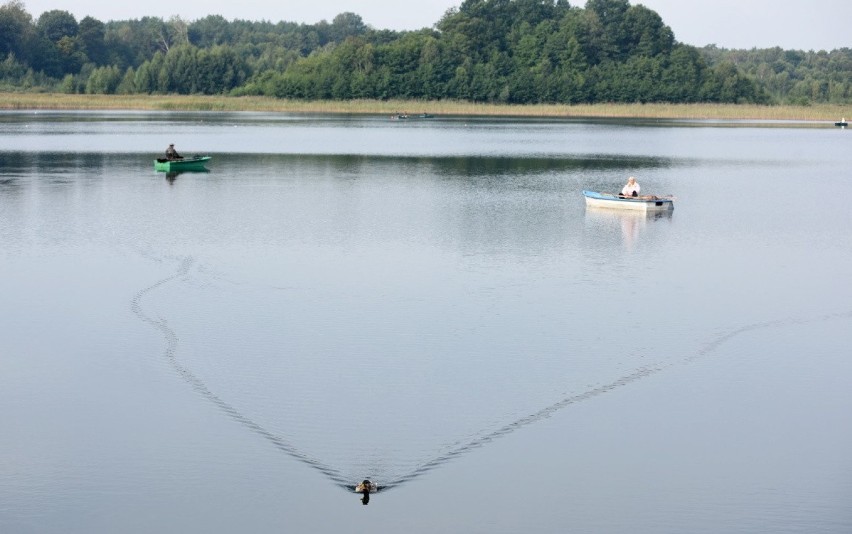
505,51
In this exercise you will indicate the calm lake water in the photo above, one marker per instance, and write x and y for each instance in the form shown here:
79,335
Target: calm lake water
429,304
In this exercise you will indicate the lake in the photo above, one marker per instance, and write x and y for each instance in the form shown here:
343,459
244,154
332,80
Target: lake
429,304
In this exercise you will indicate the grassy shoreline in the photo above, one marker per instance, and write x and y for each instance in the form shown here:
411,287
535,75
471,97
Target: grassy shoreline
55,101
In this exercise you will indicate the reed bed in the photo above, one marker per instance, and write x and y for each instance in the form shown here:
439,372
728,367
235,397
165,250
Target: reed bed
55,101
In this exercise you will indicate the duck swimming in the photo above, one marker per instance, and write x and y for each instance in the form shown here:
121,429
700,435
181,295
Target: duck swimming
365,488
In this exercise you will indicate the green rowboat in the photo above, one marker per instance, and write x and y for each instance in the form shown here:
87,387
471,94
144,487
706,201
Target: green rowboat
183,164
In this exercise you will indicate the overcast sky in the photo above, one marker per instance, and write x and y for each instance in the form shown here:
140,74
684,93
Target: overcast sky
790,24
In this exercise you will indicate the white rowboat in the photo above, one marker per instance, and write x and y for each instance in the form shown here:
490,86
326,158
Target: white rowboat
642,203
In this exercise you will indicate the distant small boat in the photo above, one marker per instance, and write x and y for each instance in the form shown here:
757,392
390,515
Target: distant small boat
842,123
642,203
183,164
403,116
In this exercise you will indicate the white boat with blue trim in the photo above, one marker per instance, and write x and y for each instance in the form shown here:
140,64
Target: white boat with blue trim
640,203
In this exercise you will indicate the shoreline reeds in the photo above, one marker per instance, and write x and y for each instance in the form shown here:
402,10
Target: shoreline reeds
58,101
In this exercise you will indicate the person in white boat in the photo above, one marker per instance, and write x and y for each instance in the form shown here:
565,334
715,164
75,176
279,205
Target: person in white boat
171,153
631,189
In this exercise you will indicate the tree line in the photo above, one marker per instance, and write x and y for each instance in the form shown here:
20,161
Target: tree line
505,51
793,76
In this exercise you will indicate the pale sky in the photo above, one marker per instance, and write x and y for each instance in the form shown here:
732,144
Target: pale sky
790,24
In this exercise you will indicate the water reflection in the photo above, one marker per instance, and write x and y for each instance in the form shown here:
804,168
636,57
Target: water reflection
449,166
513,166
171,176
631,223
35,164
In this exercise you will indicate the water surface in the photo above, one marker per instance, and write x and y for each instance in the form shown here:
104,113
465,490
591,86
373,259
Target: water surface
429,304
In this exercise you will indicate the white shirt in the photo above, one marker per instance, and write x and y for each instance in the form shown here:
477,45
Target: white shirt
628,189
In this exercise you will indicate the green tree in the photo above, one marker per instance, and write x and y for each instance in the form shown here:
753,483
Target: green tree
346,25
91,35
45,57
68,85
644,33
103,80
683,76
209,31
71,55
606,30
127,85
16,29
145,79
56,24
11,69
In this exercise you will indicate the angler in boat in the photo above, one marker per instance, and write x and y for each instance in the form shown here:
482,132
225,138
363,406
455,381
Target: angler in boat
175,162
172,154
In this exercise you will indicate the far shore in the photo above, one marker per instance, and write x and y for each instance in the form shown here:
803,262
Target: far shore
58,101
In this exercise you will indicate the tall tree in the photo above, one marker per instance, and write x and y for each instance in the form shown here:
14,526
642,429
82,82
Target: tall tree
15,29
346,25
91,33
645,33
56,24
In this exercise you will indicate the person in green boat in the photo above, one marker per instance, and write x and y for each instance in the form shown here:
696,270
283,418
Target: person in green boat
172,154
